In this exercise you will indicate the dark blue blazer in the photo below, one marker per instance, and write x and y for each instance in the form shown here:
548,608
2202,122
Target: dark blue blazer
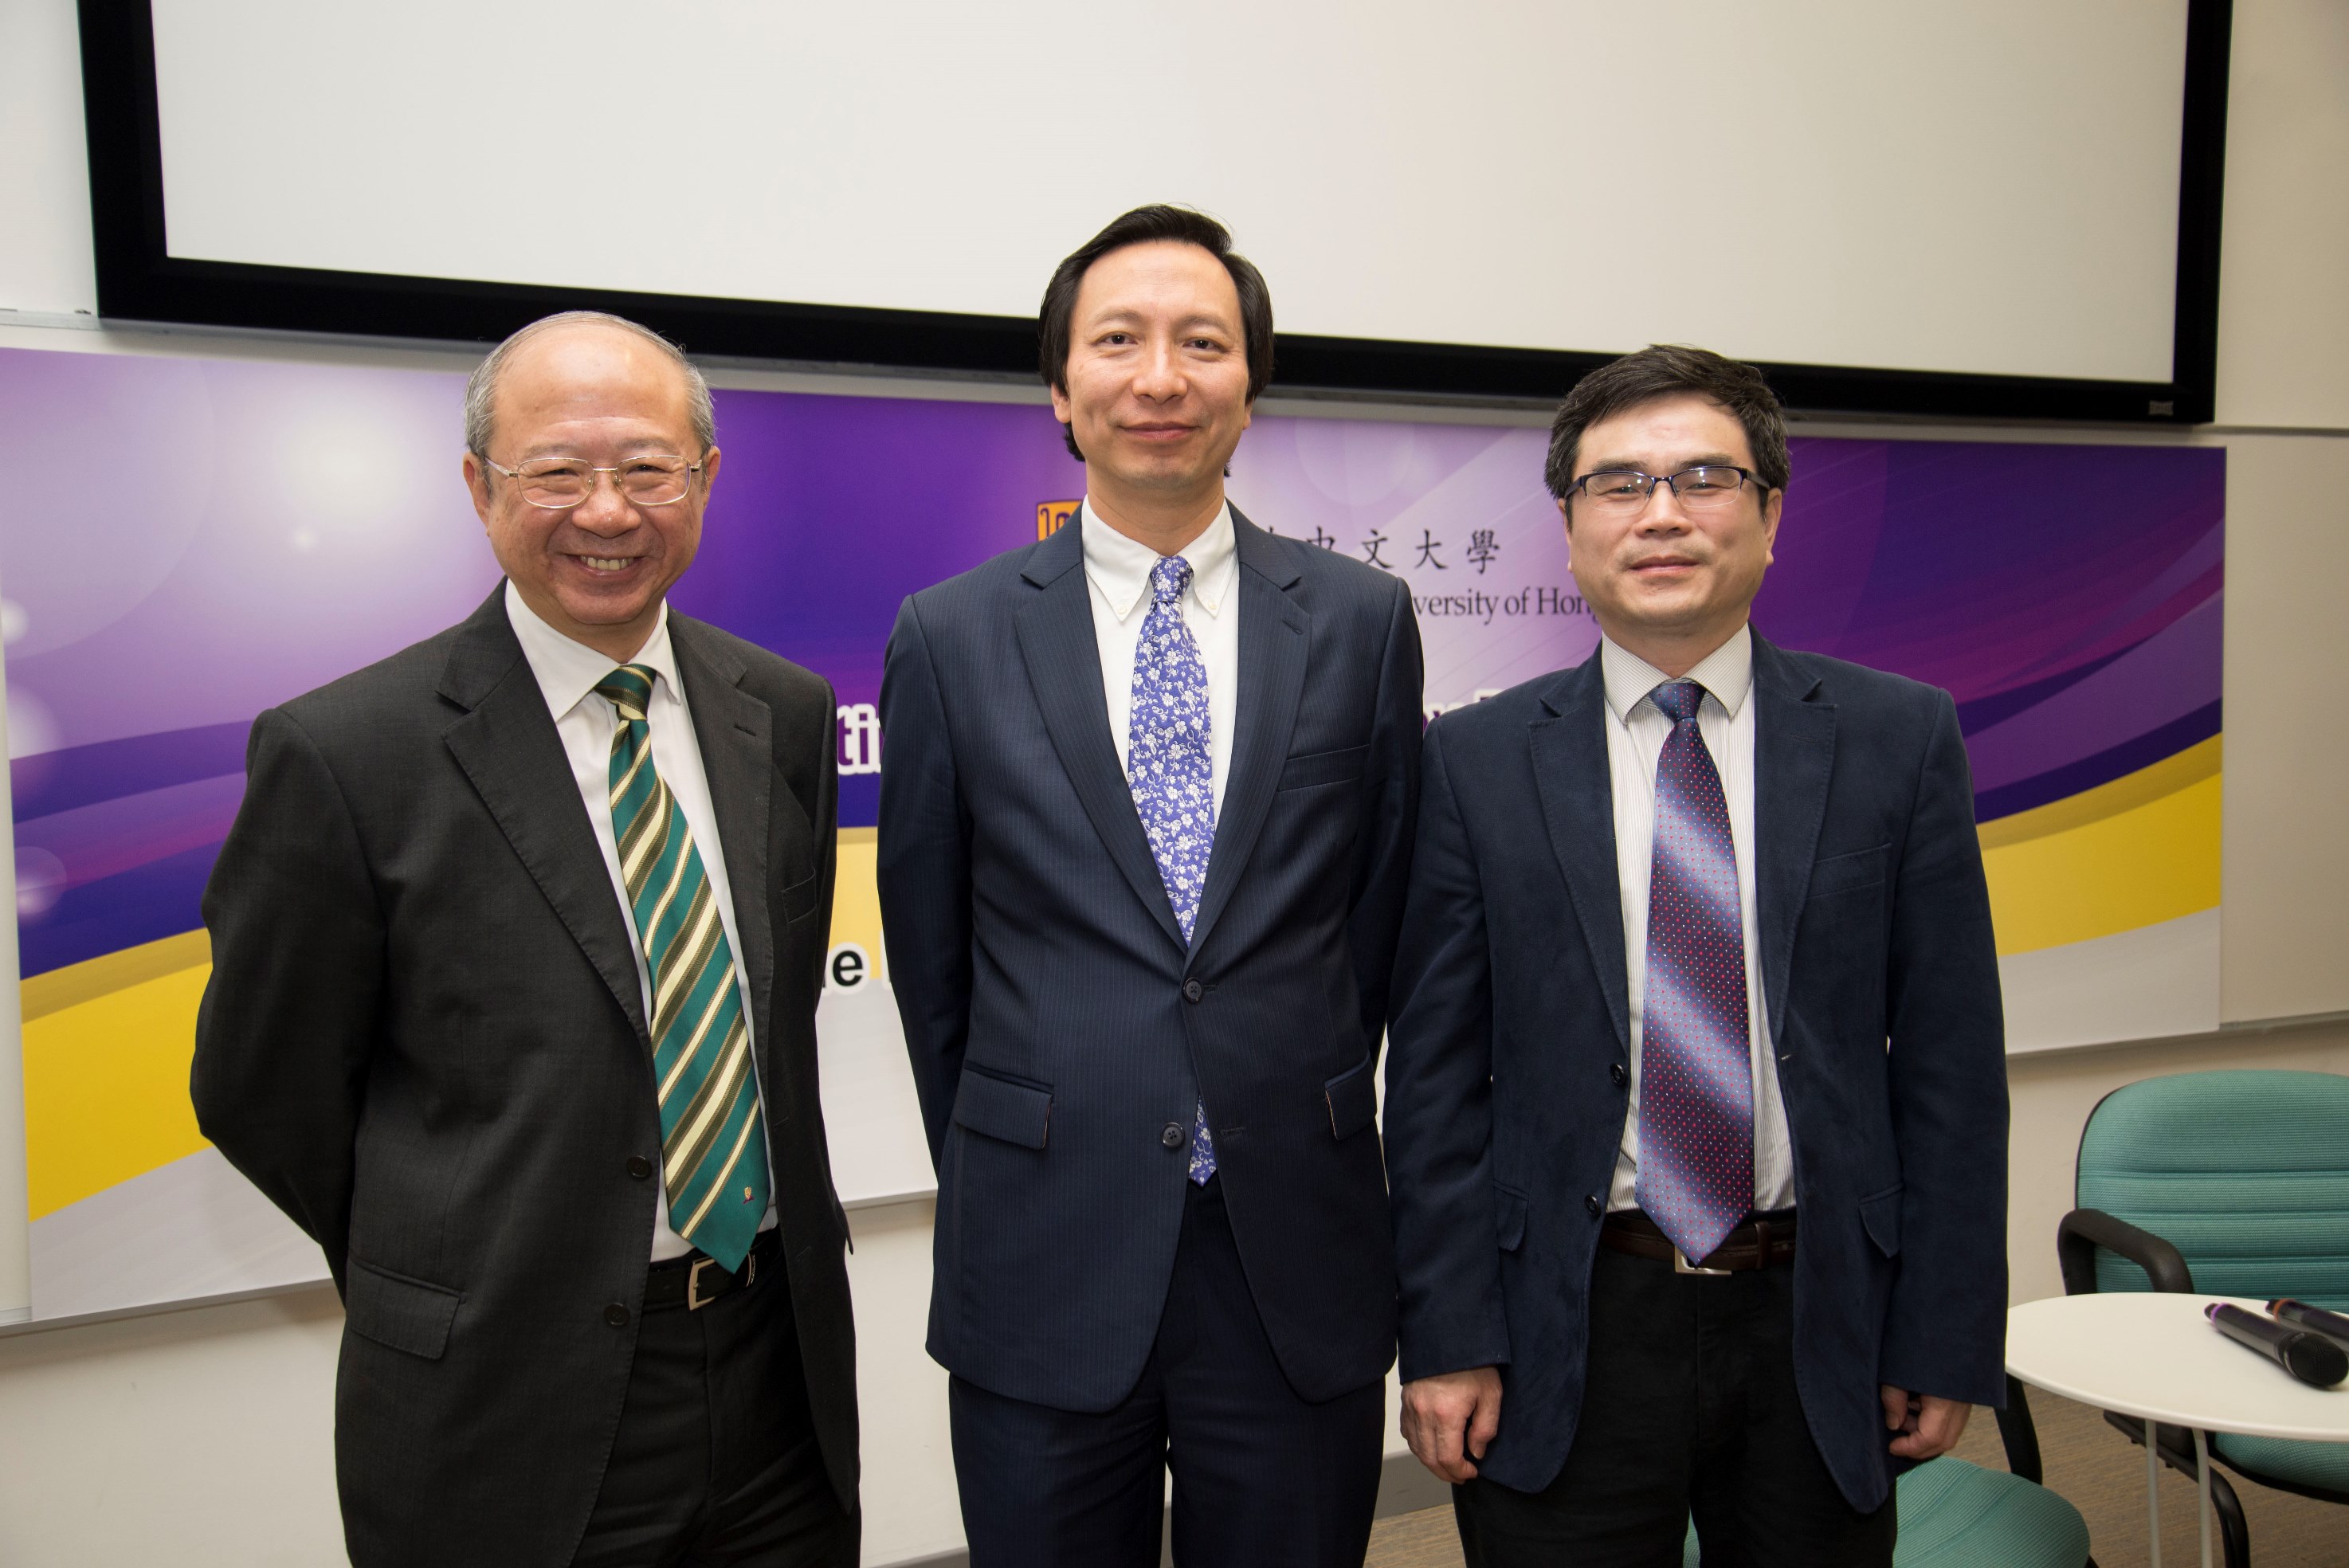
1059,1026
1504,1109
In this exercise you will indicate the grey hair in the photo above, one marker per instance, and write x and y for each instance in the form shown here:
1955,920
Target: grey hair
482,387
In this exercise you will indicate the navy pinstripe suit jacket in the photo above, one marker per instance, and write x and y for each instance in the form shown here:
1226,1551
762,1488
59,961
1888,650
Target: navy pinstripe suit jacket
1057,1022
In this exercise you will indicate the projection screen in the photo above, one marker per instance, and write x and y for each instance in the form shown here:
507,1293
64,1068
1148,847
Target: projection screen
1996,196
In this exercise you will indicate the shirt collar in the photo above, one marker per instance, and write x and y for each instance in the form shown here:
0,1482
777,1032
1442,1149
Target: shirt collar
1121,567
568,671
1726,674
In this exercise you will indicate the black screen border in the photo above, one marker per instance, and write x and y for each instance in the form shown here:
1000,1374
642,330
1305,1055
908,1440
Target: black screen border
138,280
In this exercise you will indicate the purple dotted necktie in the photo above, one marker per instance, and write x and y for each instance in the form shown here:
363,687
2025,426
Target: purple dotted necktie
1696,1067
1167,763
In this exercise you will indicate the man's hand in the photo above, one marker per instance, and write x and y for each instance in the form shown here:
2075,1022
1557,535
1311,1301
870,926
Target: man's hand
1449,1419
1929,1424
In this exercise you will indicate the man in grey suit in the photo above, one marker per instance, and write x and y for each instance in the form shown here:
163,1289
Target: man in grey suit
516,948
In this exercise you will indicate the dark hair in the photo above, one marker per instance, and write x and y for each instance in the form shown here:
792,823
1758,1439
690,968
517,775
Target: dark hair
1142,226
1670,370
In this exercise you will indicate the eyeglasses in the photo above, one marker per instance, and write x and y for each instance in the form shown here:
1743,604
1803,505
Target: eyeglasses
558,484
1700,489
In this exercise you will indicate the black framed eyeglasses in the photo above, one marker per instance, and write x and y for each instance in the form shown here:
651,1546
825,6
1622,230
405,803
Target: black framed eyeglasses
1698,487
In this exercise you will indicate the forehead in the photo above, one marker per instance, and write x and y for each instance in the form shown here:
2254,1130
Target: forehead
589,373
1158,277
1679,428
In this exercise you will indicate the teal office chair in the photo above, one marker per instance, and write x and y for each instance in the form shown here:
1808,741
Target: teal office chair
1957,1515
2230,1183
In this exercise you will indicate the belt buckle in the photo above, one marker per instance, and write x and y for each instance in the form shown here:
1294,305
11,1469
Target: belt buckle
693,1302
1681,1265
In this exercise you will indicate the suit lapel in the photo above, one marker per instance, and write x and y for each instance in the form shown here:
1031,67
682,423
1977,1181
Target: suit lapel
1063,659
733,729
1274,643
507,745
1793,756
1577,797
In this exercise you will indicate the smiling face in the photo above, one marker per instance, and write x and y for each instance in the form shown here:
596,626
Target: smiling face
1667,583
598,572
1157,385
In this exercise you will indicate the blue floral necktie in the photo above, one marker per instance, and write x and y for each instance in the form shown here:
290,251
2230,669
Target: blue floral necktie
1167,764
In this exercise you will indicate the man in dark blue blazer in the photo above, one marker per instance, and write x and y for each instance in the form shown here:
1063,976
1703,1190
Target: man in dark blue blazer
1696,1106
1145,827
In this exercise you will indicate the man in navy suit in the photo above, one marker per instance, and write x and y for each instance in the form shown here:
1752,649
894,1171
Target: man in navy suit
1145,827
1696,1099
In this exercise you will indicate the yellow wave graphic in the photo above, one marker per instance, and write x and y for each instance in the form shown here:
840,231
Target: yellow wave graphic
107,1047
2134,853
108,1042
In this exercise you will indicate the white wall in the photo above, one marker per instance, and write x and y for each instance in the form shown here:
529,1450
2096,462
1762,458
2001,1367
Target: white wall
202,1437
44,245
2283,314
197,1437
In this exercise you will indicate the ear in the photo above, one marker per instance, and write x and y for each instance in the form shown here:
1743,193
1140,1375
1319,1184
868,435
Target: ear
1771,505
1063,408
477,484
709,472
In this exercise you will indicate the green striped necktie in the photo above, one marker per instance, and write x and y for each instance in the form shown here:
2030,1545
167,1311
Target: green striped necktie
713,1153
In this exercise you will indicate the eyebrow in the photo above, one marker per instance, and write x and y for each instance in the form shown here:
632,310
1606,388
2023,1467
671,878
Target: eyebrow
636,449
1110,320
1707,459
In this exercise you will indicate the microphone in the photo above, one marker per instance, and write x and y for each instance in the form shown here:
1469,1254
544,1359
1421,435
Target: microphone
2311,1358
2315,1319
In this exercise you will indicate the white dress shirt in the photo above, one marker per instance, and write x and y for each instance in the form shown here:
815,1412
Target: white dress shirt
1118,569
567,673
1636,732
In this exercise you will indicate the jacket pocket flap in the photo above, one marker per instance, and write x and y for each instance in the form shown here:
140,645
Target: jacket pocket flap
1323,768
392,1309
1880,1213
1848,873
1015,1112
1509,1219
1353,1100
798,901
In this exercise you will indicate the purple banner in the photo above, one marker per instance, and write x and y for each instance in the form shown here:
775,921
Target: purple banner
221,535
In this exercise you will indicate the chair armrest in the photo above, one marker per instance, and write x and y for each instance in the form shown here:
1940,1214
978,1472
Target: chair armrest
2079,1233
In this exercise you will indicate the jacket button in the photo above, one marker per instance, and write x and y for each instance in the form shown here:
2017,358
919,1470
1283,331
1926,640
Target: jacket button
1594,1205
616,1315
639,1166
1173,1136
1619,1074
1193,990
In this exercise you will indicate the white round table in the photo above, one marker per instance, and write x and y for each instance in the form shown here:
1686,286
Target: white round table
2158,1357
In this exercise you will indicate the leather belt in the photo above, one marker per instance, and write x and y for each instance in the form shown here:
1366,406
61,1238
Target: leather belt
695,1280
1761,1242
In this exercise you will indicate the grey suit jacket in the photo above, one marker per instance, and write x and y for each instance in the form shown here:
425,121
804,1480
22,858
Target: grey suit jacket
424,1039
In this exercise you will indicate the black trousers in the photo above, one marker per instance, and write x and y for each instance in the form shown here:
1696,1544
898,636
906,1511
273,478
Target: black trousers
1260,1476
716,1460
1688,1409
